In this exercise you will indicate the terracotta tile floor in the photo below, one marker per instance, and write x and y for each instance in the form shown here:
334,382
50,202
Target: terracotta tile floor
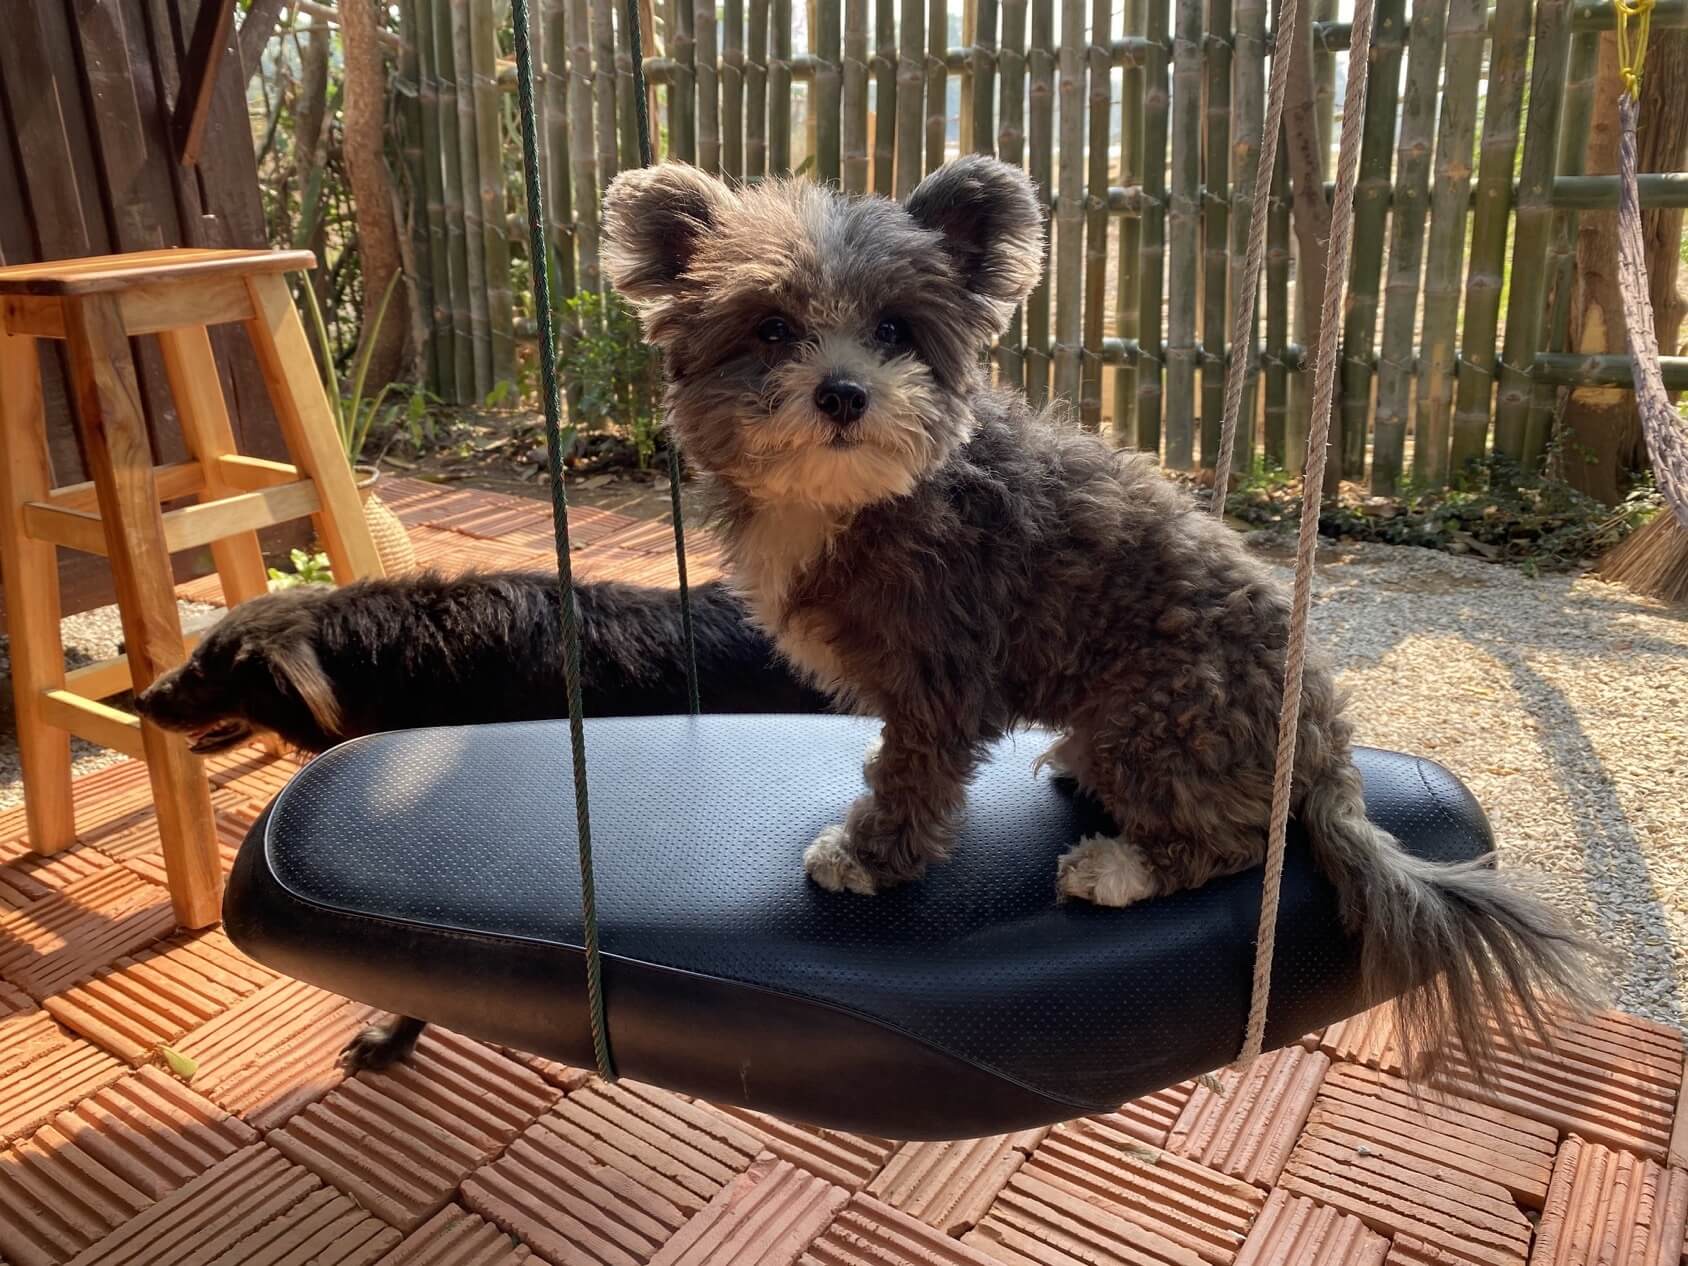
475,1156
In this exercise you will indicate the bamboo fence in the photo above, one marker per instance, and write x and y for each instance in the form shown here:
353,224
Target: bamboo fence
1139,121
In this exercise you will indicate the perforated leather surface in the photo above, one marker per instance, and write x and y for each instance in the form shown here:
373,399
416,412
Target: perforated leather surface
699,827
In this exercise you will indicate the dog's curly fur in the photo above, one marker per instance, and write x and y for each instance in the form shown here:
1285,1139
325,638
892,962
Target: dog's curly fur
319,666
946,559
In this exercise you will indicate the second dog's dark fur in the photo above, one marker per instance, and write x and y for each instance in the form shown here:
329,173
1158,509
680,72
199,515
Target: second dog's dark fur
319,666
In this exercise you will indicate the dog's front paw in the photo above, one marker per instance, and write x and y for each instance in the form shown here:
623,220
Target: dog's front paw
1105,872
381,1046
830,862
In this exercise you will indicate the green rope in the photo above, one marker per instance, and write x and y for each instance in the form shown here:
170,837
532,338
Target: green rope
540,258
642,113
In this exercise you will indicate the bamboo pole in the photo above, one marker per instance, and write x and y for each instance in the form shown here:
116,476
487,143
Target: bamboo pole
756,92
1249,84
1307,138
885,97
557,183
451,199
474,236
1130,229
1100,70
937,82
983,97
1042,109
1530,235
1011,148
779,90
1275,419
682,121
1184,224
1069,204
408,106
1152,239
489,163
438,253
706,68
855,161
1371,212
911,88
826,97
1216,207
604,88
1580,80
1324,84
583,156
1445,254
1406,244
1485,279
964,88
732,90
627,123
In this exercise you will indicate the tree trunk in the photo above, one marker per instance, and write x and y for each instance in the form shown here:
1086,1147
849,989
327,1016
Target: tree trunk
372,191
1603,444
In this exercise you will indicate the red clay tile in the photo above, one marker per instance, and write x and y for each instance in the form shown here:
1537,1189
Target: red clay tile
44,1069
456,1237
766,1216
400,1141
951,1185
275,1051
65,937
1292,1231
27,876
1249,1131
1198,1208
1613,1078
610,1173
154,997
868,1233
14,1000
95,1166
1356,1163
566,1077
1151,1118
1608,1208
255,1209
845,1160
1035,1223
1362,1107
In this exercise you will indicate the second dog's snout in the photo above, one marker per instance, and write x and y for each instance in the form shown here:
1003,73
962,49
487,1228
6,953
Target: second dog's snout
841,400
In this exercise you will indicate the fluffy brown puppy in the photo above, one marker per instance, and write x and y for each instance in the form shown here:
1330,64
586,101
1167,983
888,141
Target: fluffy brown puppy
935,552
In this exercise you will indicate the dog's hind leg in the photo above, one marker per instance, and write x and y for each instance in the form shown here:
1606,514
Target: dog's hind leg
382,1045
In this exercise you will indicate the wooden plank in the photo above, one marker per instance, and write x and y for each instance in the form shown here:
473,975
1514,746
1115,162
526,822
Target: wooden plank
29,567
94,721
147,309
285,354
179,479
64,527
249,474
107,677
192,370
240,516
133,269
109,411
206,54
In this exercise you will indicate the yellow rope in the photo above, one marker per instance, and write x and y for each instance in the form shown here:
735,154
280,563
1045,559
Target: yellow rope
1632,49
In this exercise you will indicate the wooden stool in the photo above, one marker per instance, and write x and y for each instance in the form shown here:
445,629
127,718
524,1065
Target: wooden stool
95,306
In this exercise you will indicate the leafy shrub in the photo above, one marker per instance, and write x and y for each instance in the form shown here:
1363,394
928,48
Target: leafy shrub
308,569
613,371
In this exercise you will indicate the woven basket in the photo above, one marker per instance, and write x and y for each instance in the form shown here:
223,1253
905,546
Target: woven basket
392,542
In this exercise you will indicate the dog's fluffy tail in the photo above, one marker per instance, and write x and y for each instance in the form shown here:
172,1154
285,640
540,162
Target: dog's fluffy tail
1454,944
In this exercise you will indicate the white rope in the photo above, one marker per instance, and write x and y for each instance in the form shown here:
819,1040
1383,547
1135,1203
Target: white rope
1318,441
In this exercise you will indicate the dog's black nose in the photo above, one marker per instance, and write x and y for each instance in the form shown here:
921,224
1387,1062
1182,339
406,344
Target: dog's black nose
841,400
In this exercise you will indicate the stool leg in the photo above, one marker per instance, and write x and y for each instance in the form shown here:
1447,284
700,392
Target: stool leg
108,407
191,368
31,577
284,354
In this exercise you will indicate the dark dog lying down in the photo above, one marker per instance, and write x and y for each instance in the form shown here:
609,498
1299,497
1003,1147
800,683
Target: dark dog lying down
319,666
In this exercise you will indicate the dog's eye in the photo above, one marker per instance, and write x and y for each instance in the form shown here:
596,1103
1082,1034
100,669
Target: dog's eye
774,330
892,332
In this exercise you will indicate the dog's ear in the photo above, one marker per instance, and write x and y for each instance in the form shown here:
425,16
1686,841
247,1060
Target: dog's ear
296,667
654,218
992,225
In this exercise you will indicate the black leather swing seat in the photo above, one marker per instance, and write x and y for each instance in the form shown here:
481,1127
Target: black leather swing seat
434,873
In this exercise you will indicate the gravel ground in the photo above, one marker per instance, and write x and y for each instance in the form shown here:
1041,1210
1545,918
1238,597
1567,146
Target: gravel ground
1562,701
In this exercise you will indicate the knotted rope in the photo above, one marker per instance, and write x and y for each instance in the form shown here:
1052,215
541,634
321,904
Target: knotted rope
1318,442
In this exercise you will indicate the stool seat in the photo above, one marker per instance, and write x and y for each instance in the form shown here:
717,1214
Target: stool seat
97,274
94,307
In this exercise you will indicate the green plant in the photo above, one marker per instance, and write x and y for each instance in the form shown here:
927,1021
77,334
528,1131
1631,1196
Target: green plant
308,569
614,372
354,417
